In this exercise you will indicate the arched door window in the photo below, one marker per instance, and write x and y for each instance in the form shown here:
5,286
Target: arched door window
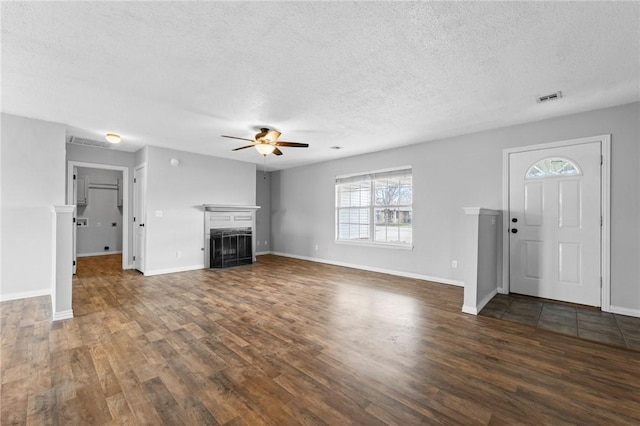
552,167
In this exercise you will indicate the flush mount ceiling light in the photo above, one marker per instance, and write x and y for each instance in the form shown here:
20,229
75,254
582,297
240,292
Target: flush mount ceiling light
112,137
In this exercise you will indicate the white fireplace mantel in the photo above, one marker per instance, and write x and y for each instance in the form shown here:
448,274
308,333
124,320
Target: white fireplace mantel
229,208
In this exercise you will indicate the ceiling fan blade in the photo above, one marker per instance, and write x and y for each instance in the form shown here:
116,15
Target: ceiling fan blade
277,151
235,137
272,135
292,144
243,147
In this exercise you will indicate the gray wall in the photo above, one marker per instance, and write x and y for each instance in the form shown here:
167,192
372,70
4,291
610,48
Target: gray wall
32,180
451,174
109,157
101,212
176,239
263,215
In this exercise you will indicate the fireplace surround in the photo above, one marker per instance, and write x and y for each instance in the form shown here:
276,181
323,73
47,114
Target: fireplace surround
230,247
229,235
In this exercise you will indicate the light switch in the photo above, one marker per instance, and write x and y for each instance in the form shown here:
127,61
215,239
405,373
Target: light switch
159,213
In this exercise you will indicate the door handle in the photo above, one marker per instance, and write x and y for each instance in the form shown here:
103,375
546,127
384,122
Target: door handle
514,231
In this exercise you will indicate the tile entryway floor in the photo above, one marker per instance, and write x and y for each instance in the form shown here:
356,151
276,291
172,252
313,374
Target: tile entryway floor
575,320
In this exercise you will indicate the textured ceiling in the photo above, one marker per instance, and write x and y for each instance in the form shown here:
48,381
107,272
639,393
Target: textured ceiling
365,76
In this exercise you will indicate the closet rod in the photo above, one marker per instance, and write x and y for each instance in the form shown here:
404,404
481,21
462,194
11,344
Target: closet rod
104,185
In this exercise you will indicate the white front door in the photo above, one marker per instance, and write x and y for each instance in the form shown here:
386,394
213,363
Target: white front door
139,212
555,220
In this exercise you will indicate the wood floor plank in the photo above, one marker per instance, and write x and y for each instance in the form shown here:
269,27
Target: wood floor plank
164,403
119,408
287,341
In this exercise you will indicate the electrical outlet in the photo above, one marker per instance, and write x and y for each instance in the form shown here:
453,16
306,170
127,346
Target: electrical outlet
265,242
454,264
316,247
178,254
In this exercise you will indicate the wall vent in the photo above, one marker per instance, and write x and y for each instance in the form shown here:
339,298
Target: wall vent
89,142
547,98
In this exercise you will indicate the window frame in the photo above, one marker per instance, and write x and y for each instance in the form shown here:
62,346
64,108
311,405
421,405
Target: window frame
548,174
371,177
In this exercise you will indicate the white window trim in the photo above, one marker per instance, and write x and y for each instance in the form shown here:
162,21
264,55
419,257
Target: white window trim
375,244
372,242
373,172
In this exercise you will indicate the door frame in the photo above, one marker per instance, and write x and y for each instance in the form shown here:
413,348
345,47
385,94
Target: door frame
143,213
125,199
605,210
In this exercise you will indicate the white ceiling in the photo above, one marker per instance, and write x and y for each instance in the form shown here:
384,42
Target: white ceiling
363,76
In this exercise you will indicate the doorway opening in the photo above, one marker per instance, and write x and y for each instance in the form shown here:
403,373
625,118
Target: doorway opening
121,198
99,212
556,239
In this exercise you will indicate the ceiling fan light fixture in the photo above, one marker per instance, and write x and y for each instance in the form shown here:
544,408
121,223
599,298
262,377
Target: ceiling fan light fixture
266,142
265,148
112,137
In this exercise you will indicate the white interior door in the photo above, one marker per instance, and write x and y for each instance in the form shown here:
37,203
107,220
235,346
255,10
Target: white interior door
139,212
74,195
555,220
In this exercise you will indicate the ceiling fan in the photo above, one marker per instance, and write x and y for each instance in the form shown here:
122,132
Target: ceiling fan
266,142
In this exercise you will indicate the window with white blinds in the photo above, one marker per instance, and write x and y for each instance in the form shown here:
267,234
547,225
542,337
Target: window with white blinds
375,207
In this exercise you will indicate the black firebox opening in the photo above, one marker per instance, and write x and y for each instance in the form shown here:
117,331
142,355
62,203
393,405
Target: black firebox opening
231,247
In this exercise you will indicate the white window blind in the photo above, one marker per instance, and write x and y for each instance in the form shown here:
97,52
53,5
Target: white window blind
375,207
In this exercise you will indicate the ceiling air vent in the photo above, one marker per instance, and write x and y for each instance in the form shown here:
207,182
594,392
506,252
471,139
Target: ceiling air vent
547,98
90,142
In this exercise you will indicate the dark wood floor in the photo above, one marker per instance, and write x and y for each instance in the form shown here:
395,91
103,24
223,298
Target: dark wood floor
286,341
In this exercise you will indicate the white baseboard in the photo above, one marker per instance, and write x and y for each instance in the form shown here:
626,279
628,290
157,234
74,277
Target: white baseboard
374,269
25,294
470,310
486,299
260,253
100,253
62,315
624,311
475,310
173,270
